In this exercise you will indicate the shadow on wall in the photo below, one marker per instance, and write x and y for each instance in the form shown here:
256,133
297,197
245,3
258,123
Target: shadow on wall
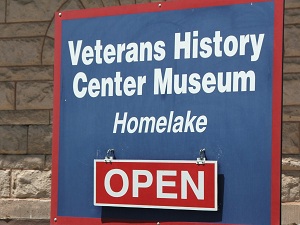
114,214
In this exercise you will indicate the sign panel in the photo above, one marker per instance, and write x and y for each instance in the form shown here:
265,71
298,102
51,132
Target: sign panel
156,184
159,82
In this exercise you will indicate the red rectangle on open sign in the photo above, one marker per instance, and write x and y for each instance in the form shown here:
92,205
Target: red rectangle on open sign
156,184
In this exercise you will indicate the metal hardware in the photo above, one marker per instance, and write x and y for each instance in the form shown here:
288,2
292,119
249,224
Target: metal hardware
110,155
202,157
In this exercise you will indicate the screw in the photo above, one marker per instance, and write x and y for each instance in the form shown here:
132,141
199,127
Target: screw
159,5
157,223
59,14
55,219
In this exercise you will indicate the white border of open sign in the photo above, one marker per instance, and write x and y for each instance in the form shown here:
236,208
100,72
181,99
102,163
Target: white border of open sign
164,184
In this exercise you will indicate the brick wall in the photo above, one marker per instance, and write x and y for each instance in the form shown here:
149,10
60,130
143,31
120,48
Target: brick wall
291,115
26,89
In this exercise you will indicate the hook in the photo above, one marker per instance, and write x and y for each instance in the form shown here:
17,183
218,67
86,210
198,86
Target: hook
202,157
110,155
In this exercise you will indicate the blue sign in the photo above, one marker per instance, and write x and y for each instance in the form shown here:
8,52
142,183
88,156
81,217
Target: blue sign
161,84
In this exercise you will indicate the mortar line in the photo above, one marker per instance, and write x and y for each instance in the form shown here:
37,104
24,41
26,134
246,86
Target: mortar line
5,15
15,96
81,4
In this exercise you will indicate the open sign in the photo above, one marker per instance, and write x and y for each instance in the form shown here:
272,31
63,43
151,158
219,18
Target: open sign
156,184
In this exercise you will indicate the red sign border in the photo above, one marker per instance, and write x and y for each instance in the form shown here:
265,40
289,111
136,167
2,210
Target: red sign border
167,6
